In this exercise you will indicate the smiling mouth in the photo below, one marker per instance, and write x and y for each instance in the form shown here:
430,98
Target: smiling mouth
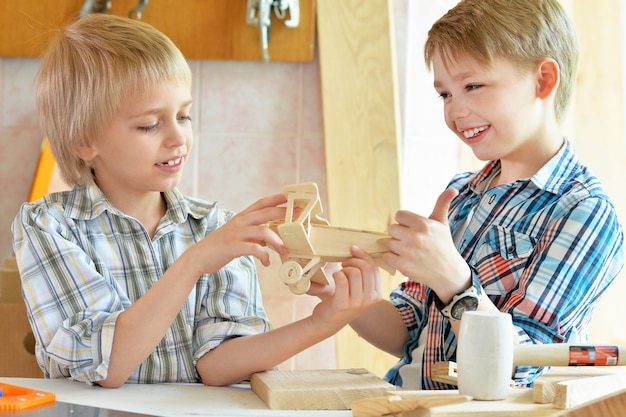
470,133
171,162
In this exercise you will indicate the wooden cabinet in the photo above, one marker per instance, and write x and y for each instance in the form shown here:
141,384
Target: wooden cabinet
202,29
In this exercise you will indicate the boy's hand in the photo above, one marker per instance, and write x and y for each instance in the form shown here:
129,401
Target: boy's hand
423,250
357,286
324,291
246,233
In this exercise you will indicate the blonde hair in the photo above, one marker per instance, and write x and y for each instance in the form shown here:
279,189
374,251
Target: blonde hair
522,31
90,67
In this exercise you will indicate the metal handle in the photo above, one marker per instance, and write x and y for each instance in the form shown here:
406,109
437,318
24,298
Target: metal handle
94,6
138,10
259,13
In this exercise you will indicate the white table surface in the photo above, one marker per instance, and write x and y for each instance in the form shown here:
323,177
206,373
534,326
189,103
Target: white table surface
178,400
167,400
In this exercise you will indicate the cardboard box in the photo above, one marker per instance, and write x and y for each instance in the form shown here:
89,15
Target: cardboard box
10,286
17,344
17,348
10,263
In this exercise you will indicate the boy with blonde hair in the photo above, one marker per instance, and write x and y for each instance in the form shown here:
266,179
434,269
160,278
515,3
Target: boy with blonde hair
124,278
532,234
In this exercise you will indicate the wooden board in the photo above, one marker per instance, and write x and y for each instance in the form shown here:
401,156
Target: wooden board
361,134
569,387
575,392
550,385
445,372
202,29
518,403
317,390
562,386
610,406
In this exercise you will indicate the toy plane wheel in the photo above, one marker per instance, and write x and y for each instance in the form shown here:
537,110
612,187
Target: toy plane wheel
290,272
300,287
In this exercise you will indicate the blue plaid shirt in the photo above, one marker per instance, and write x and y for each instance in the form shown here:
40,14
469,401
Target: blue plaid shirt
544,248
82,262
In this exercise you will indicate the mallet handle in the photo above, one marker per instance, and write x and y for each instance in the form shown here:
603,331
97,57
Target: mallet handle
564,354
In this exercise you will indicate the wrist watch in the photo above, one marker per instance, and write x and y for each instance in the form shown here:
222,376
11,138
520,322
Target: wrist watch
466,300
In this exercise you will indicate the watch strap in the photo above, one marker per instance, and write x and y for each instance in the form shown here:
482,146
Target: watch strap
474,289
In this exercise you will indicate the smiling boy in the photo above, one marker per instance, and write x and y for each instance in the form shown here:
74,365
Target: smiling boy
532,234
124,278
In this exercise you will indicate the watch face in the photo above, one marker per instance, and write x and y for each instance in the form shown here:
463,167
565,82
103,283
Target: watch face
463,305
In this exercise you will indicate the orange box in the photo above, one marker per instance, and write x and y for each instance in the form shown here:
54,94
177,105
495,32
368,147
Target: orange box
16,398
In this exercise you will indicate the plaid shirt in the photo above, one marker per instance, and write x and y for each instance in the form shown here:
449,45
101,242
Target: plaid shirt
82,262
544,248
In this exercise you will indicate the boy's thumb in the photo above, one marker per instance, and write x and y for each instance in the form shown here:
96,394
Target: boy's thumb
440,212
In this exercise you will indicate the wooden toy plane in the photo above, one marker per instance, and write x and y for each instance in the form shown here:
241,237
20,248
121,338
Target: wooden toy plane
312,241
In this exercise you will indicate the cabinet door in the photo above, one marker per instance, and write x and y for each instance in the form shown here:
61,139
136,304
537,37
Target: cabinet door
202,29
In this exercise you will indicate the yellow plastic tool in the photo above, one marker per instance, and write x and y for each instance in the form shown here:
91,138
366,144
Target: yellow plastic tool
15,398
43,174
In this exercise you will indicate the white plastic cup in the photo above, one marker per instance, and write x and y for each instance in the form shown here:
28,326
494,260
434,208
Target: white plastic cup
484,355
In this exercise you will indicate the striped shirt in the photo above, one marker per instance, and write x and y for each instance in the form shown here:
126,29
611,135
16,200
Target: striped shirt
544,249
82,262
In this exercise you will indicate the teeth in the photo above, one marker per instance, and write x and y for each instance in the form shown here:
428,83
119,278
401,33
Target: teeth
171,162
473,132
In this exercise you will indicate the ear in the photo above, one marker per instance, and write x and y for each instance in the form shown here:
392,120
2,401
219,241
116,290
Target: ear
86,152
548,76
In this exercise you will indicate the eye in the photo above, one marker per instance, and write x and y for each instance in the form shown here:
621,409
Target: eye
471,87
184,118
444,95
150,128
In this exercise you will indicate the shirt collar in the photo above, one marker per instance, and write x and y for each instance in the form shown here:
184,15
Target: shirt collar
87,201
552,177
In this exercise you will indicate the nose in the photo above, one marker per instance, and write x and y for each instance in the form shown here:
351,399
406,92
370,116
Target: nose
178,135
455,108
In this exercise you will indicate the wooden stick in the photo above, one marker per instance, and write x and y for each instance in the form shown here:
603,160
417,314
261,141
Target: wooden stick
397,403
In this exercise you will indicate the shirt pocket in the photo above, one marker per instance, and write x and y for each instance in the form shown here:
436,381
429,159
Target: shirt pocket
505,254
510,244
